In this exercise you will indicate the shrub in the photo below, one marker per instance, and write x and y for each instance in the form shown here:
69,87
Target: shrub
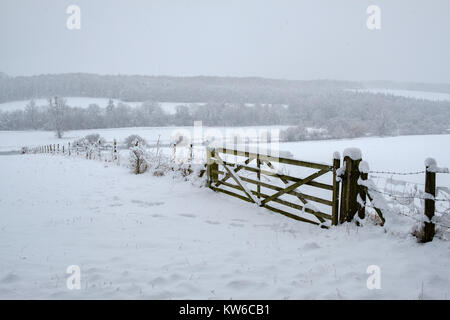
139,162
130,141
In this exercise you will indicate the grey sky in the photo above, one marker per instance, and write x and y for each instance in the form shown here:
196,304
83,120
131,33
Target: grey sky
291,39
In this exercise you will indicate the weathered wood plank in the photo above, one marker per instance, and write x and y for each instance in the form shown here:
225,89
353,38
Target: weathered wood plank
231,194
238,167
235,178
284,177
318,214
294,193
290,215
295,185
264,157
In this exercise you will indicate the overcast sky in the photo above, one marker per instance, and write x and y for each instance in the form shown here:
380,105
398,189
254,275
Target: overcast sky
293,39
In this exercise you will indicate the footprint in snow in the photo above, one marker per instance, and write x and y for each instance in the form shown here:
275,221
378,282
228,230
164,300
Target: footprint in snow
147,203
188,215
310,246
212,222
10,278
236,224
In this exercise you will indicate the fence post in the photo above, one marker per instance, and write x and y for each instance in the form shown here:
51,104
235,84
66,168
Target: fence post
258,188
208,167
68,148
364,174
350,188
63,149
211,167
335,208
430,189
58,148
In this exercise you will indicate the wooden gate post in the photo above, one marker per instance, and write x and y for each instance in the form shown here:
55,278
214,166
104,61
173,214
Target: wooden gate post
362,190
335,208
350,188
430,190
211,167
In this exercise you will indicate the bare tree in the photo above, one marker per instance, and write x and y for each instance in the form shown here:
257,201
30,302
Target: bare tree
32,114
57,108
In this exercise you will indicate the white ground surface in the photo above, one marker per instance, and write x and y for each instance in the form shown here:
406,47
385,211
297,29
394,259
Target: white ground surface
163,238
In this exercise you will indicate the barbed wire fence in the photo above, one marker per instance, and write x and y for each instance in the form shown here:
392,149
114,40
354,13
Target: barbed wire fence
410,199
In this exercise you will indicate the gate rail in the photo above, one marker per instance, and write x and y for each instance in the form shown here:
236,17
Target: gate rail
220,171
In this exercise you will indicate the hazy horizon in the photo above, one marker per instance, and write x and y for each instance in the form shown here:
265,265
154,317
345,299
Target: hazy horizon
287,39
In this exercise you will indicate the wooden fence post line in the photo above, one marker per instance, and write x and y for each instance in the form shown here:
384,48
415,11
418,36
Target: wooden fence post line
350,188
430,190
335,208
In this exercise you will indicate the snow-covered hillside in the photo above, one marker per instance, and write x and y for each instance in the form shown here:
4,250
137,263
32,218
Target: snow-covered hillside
84,102
425,95
164,238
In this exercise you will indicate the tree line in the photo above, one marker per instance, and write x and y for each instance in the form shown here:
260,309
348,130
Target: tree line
340,114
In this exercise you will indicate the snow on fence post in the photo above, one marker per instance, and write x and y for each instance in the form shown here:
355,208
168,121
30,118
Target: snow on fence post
350,188
362,192
68,148
54,148
191,152
58,148
115,150
335,208
430,192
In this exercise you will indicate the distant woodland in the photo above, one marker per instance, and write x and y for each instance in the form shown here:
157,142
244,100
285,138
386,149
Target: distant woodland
320,104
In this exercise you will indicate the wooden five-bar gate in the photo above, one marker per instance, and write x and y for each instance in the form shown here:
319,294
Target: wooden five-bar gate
255,179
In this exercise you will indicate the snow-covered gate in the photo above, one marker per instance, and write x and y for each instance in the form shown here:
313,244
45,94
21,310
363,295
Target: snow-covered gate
262,179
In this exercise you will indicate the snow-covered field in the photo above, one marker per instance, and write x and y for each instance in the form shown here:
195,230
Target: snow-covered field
403,153
164,238
425,95
14,140
84,102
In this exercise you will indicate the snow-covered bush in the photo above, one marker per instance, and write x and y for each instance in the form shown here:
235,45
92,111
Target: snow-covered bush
139,161
130,141
94,138
89,140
